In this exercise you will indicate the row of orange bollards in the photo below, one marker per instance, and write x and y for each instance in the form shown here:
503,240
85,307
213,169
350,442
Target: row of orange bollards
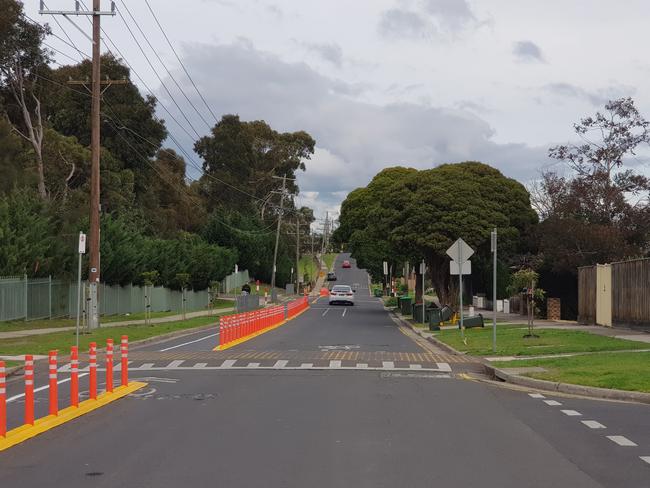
74,379
239,326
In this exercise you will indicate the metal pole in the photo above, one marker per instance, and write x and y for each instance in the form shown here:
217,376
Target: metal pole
49,294
298,254
423,269
277,238
494,292
460,281
78,299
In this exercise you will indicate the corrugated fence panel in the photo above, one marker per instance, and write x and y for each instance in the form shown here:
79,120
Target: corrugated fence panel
38,299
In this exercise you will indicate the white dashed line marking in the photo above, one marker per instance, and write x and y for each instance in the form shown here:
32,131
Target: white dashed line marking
174,364
621,440
362,365
253,365
536,395
190,342
444,367
146,366
571,413
200,365
344,310
307,365
228,363
388,364
280,364
552,403
325,312
335,364
645,458
592,424
415,366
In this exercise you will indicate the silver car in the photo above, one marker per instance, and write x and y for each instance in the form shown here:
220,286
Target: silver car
341,294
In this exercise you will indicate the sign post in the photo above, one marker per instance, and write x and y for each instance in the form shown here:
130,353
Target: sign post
423,270
385,278
460,253
82,251
493,245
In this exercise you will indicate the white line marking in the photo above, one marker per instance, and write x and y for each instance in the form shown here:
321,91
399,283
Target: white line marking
444,367
415,366
253,365
344,310
621,440
228,363
536,395
280,364
592,424
200,365
362,365
645,458
41,388
335,364
190,342
325,312
552,403
571,413
146,366
175,364
388,364
307,365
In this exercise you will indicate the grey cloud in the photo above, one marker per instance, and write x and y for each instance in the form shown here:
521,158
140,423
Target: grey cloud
527,51
398,23
427,18
331,52
597,98
355,139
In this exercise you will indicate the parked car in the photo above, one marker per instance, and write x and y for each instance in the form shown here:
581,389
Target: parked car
341,294
331,276
346,264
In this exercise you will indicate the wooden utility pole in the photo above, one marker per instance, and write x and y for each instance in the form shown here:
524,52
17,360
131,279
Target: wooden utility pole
93,238
277,235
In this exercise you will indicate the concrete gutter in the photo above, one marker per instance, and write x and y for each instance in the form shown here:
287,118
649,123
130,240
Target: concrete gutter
551,386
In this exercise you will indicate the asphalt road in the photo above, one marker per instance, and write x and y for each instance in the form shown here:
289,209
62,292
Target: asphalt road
385,414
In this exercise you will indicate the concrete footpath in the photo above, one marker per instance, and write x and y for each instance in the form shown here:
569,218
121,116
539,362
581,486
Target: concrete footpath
158,320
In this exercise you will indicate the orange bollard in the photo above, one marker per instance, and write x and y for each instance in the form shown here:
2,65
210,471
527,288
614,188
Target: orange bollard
109,365
124,356
92,369
74,376
29,389
3,401
54,386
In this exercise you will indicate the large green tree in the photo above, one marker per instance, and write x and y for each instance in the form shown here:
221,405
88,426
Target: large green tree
409,214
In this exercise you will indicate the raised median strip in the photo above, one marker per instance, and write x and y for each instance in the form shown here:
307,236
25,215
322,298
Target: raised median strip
24,432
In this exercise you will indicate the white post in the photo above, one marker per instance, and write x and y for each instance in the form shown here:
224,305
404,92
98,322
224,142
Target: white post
494,291
81,251
460,283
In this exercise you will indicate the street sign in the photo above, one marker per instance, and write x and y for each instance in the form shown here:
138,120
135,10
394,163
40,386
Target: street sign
454,268
82,243
460,251
385,268
423,268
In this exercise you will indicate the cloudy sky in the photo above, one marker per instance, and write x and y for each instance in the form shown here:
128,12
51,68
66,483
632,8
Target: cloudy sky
387,82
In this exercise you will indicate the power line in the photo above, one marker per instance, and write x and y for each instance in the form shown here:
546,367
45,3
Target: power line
164,65
60,52
181,62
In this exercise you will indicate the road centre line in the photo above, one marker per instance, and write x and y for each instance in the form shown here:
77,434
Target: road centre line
344,310
621,440
41,388
592,424
552,403
571,413
190,342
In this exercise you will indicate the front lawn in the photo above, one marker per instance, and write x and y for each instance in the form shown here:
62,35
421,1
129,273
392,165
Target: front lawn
510,341
622,371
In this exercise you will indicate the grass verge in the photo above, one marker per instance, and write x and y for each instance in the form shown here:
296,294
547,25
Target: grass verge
308,267
622,371
329,259
510,341
41,344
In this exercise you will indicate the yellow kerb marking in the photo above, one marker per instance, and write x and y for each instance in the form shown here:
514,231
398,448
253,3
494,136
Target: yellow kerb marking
24,432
